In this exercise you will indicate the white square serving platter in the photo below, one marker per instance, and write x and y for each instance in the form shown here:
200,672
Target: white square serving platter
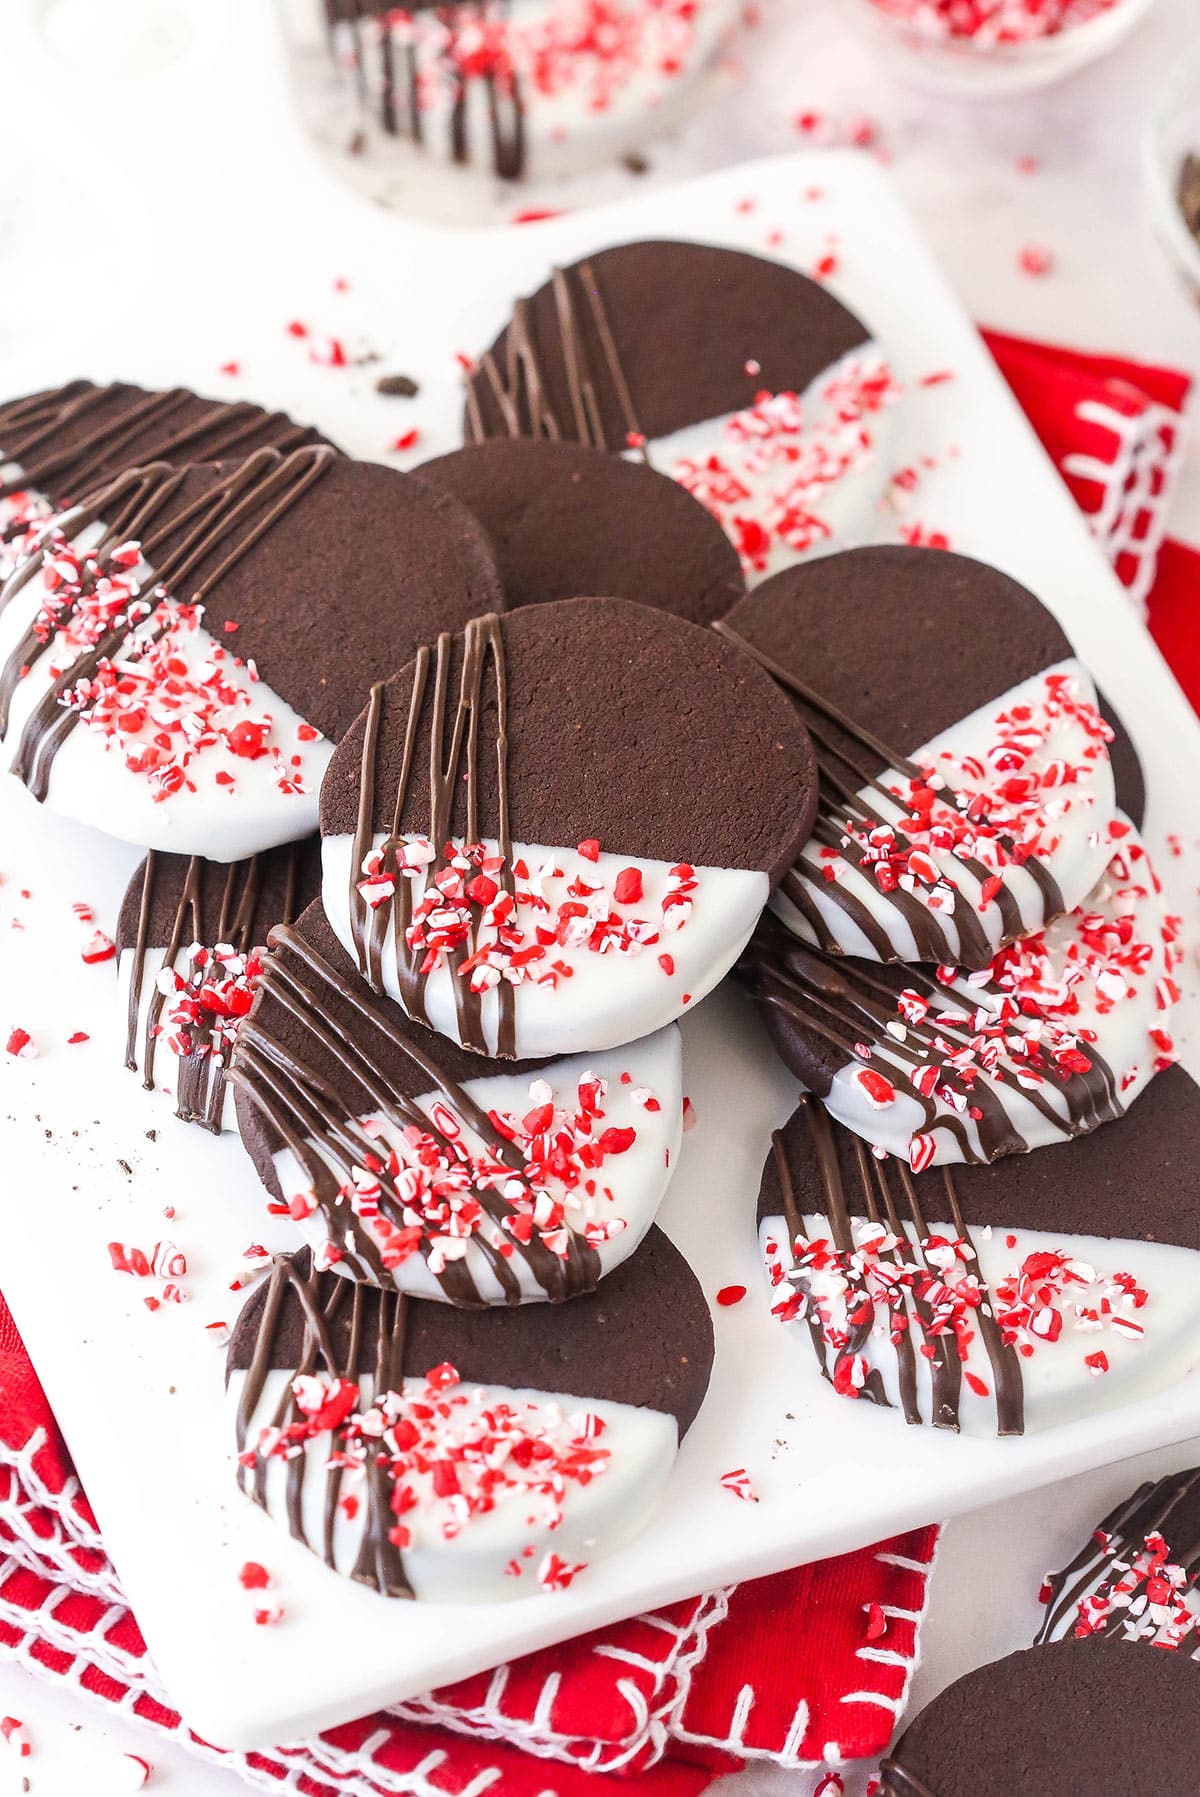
87,1157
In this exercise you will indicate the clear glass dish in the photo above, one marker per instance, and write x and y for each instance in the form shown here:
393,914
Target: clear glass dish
507,88
1171,137
963,66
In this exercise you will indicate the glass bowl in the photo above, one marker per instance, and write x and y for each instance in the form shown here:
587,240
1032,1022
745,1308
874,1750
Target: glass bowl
508,88
962,66
1171,137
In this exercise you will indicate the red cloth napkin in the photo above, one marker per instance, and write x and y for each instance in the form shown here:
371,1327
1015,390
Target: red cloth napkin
665,1701
806,1669
1114,429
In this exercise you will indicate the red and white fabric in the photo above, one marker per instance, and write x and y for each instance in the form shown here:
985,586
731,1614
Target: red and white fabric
1115,430
808,1669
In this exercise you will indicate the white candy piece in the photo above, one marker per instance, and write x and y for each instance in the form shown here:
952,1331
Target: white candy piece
1145,1347
472,1564
609,998
637,1178
1073,818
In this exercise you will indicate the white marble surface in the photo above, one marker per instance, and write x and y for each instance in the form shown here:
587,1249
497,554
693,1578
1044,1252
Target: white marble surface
956,165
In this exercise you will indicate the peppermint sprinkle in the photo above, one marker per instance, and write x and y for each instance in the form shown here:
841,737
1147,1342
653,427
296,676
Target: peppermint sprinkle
451,1453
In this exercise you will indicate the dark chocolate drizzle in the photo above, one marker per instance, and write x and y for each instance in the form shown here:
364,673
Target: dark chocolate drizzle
146,427
306,1113
200,1082
1154,1508
887,1192
381,1314
841,1002
242,504
395,89
841,744
519,388
453,751
896,1782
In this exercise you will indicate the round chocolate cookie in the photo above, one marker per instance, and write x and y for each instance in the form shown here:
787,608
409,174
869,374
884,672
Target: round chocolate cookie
621,790
406,1160
1075,1719
177,662
565,520
740,377
997,1298
966,782
1057,1036
544,1437
1134,1578
56,446
190,939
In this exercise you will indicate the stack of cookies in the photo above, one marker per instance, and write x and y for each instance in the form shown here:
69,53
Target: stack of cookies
969,969
459,789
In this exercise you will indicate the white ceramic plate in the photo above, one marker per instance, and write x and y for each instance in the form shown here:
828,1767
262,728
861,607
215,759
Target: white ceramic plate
139,1394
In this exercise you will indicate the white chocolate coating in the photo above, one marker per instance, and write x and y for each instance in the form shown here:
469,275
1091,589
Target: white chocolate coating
608,998
470,1566
1058,1383
232,806
1070,819
1112,1013
630,1186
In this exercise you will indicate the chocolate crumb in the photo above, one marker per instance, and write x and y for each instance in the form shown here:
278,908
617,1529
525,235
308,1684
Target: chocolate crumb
397,386
1189,193
635,163
126,1169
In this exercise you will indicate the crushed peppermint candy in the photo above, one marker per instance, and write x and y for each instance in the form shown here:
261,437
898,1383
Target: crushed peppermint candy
990,23
424,1189
1025,1018
450,1453
162,695
592,53
1035,259
1052,1291
996,807
775,465
1145,1596
889,1287
16,1737
739,1483
513,921
206,994
557,1574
